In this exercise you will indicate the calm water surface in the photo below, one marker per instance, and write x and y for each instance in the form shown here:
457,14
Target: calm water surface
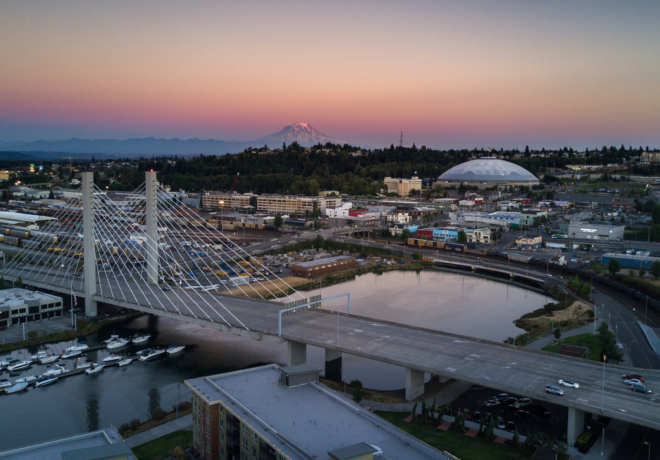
445,301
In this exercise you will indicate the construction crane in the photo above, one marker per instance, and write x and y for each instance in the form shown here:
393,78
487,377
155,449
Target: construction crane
234,184
401,140
70,165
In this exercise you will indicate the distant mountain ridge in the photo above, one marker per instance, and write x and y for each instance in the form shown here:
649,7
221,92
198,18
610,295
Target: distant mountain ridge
303,133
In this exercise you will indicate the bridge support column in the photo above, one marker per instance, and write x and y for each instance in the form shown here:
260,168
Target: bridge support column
333,364
296,353
152,228
414,384
89,268
575,425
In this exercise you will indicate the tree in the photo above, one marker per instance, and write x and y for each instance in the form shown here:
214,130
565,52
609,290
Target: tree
357,394
277,221
51,195
516,439
19,282
557,333
2,282
642,272
655,269
405,234
614,266
585,290
462,237
417,256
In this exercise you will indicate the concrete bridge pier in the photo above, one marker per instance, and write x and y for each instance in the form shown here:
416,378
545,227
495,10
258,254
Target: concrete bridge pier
89,267
296,353
414,383
333,360
575,425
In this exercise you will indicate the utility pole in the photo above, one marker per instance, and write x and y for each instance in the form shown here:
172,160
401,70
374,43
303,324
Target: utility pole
401,140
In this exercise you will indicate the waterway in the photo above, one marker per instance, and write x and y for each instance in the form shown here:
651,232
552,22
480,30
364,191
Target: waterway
444,301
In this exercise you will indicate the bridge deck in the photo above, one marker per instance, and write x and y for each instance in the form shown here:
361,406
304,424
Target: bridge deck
495,365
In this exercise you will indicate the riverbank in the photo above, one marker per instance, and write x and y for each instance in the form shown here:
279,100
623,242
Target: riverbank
83,328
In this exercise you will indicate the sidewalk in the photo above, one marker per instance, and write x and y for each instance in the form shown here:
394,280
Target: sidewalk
549,339
614,434
180,424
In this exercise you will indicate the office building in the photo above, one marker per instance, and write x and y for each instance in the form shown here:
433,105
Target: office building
529,242
229,201
283,413
402,187
300,205
19,305
595,231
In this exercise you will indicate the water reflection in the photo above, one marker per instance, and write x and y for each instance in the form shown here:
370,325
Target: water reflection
154,401
93,414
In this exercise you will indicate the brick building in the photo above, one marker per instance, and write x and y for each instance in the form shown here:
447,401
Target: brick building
313,268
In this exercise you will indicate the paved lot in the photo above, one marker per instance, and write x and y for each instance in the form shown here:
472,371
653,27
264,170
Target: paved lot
49,326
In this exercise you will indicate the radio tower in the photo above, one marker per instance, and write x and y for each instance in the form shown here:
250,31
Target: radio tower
401,140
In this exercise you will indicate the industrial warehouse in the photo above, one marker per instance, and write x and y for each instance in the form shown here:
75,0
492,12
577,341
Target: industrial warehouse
314,268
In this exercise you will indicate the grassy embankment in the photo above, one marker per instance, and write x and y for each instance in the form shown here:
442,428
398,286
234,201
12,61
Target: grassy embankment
457,444
566,314
83,328
589,341
163,447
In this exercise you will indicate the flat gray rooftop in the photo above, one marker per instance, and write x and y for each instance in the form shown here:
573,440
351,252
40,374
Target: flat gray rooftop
311,419
51,450
326,260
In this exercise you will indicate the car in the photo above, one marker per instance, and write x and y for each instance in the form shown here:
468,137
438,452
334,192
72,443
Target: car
521,413
633,376
522,402
640,389
511,427
501,397
569,383
3,328
166,288
632,382
500,423
77,274
492,403
206,269
510,401
593,290
555,390
476,417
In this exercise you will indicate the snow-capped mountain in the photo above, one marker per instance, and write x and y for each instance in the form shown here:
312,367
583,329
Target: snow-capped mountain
302,133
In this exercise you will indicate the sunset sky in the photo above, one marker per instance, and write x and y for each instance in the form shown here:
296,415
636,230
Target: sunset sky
449,74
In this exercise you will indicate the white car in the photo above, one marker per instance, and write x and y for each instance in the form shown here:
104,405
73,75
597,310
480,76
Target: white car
633,382
568,383
492,403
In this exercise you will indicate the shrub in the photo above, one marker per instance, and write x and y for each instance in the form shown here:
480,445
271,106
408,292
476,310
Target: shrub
33,334
123,428
180,454
357,394
133,424
158,415
355,384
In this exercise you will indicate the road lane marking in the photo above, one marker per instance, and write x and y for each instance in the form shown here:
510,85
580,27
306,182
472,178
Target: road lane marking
506,367
469,359
582,401
379,325
476,356
461,341
450,369
357,330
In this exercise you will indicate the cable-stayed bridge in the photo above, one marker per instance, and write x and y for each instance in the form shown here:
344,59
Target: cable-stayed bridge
140,255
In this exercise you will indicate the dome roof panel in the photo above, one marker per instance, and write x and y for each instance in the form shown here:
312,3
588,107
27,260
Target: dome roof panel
488,169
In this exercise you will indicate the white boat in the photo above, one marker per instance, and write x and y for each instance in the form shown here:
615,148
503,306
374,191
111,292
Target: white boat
49,359
150,355
19,366
141,338
112,338
71,354
175,349
16,388
56,370
112,358
125,362
39,355
80,346
4,383
118,343
8,362
94,370
27,378
86,365
45,381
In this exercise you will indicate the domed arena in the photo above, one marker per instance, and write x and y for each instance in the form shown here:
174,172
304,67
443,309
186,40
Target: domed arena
487,172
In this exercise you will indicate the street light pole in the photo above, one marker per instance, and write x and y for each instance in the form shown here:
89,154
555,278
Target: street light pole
602,395
648,444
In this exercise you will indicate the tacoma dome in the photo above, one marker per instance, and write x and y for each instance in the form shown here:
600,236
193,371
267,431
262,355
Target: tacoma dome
487,172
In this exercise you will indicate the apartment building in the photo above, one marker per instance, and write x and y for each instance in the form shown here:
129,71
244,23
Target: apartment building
289,204
18,305
228,201
402,187
283,413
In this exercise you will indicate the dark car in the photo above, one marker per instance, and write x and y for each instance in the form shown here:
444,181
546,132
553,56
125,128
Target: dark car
3,328
510,427
476,417
521,413
633,376
511,408
522,402
166,288
510,401
501,397
640,388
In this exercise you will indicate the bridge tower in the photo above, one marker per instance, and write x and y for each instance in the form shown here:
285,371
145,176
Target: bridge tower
152,228
89,272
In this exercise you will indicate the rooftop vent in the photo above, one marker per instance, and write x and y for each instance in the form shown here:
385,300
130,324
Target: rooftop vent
359,451
292,376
